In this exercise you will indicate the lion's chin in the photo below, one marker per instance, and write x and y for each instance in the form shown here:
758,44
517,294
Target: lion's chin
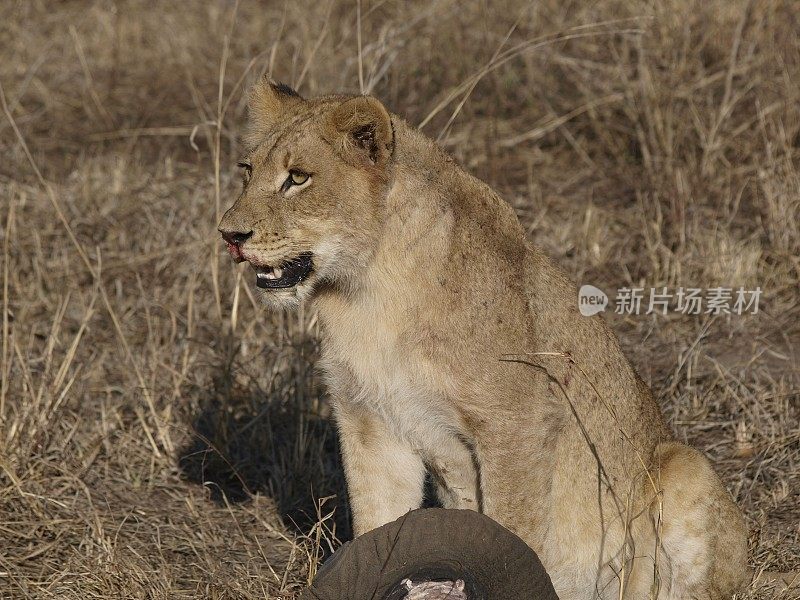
280,300
287,298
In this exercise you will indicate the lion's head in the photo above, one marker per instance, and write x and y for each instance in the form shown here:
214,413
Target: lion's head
315,184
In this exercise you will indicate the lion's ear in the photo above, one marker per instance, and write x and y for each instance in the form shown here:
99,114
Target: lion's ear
363,129
267,105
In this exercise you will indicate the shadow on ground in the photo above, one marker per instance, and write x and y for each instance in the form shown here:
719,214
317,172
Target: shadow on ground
279,442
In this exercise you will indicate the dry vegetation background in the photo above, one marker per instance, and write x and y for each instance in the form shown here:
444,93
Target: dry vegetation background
162,437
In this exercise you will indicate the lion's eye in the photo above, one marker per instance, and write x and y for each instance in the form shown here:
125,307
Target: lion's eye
298,177
248,170
295,178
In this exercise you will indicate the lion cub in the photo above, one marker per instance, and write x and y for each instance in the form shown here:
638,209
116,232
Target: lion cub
423,281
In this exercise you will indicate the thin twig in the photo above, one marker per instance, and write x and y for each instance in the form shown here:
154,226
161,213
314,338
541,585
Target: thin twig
515,51
6,370
360,54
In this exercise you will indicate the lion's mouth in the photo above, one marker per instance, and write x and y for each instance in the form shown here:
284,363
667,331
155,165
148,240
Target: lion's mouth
288,274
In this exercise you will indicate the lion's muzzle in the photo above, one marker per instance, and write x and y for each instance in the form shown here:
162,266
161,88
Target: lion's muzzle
234,241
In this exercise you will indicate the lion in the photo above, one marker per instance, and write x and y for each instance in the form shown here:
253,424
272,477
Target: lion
453,347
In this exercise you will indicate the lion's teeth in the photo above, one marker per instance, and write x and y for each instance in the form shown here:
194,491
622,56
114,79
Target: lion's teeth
271,274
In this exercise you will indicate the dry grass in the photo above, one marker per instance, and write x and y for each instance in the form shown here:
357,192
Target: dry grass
161,437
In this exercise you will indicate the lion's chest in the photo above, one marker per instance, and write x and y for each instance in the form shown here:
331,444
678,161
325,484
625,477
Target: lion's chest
372,357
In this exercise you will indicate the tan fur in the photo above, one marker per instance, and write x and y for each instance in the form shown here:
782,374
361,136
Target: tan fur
424,281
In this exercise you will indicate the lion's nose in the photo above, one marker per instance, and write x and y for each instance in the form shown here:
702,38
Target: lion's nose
237,238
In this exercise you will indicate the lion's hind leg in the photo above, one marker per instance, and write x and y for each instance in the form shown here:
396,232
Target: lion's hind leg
702,532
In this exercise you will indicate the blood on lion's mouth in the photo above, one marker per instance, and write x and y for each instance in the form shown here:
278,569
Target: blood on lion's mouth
287,275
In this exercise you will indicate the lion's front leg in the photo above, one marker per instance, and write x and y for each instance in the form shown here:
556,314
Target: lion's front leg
385,475
456,473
